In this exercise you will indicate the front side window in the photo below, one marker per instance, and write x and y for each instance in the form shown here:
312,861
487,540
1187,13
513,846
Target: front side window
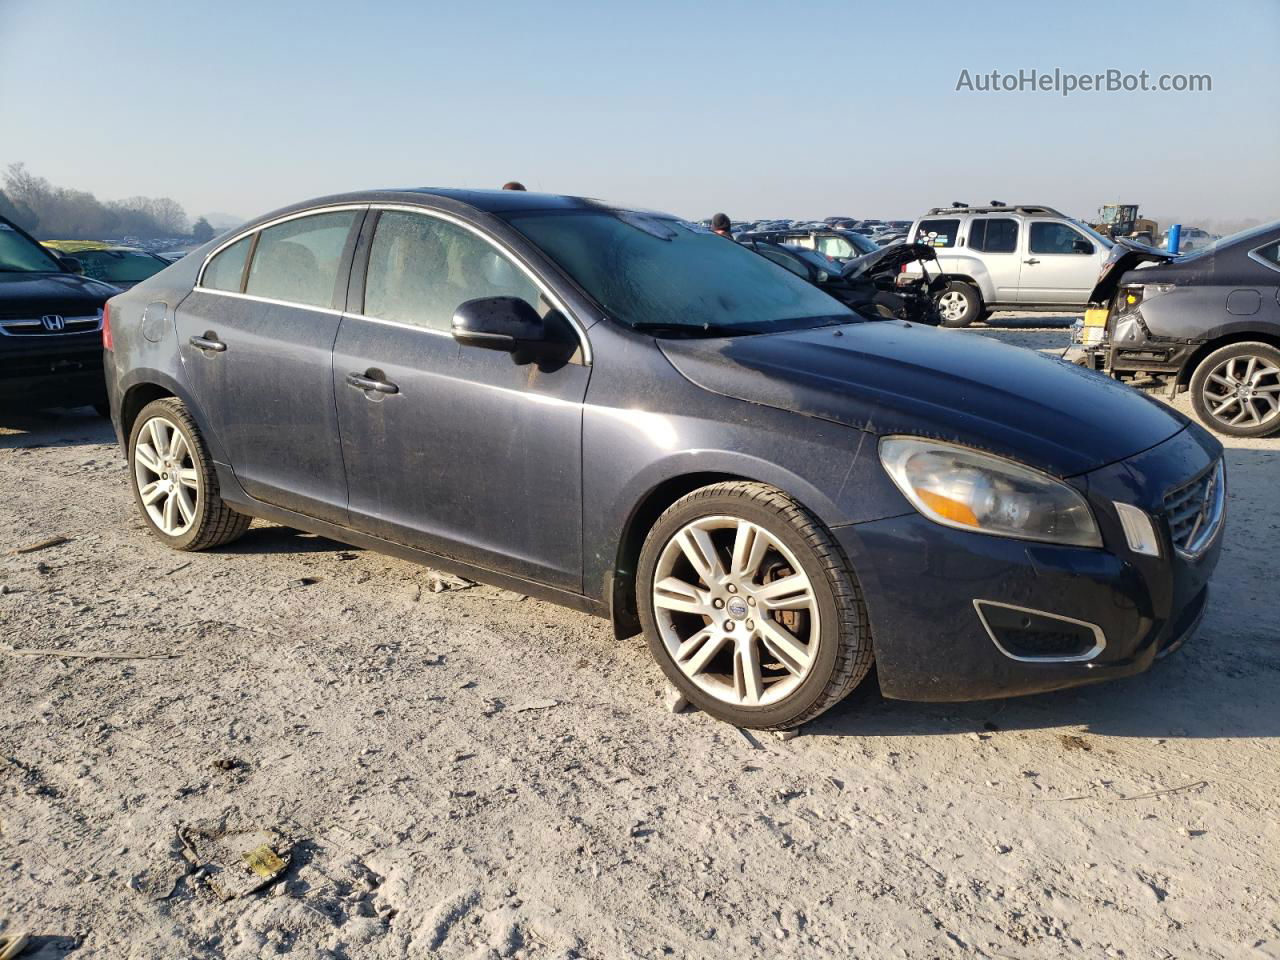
784,259
422,269
226,270
670,277
299,260
1050,238
938,233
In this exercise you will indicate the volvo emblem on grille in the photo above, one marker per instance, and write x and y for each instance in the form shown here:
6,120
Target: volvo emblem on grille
53,322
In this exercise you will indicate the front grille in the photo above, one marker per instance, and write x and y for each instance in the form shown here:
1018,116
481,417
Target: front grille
1194,511
50,325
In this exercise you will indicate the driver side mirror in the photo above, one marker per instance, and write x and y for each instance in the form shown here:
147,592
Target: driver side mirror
1081,246
497,323
72,265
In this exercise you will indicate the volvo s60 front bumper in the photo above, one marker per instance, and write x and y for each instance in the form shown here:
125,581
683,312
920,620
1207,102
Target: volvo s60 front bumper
965,616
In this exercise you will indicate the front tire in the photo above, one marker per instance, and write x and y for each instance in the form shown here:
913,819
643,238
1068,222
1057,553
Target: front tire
174,483
959,304
1236,390
750,607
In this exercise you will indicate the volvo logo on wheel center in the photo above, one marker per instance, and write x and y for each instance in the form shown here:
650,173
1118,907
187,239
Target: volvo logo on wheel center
737,608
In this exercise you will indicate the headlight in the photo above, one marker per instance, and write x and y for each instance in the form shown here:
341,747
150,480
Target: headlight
962,488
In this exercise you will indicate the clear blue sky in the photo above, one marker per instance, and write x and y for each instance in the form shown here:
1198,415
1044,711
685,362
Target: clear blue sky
757,108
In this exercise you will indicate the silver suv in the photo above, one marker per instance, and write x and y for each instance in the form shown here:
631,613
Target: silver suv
1003,257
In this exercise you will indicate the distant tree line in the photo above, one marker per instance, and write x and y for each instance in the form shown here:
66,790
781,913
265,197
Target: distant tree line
61,213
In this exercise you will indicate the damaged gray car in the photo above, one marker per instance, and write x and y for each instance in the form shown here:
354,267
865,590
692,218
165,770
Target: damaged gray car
1208,322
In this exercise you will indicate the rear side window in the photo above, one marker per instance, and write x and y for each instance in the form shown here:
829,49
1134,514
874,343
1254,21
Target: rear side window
1270,253
299,260
226,270
422,269
938,233
1001,236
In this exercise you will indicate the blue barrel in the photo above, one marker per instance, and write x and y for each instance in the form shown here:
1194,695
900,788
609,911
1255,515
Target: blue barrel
1175,235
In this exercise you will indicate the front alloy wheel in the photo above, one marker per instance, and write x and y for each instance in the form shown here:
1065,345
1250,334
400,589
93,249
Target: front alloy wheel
750,607
745,631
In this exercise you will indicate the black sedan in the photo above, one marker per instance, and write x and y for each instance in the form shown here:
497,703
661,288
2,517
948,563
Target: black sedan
621,411
842,245
1208,322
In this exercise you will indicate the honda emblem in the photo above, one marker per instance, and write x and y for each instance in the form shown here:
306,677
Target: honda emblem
53,322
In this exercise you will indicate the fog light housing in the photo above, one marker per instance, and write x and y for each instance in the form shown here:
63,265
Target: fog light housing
1138,529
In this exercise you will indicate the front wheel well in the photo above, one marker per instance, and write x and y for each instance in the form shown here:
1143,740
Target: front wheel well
1248,336
626,616
135,398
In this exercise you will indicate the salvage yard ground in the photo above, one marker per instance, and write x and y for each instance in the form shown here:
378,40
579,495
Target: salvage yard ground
460,771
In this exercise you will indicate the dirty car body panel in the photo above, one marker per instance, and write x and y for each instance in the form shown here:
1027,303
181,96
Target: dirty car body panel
544,473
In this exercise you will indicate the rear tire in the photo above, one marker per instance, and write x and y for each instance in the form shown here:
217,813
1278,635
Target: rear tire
1240,381
750,607
174,483
959,304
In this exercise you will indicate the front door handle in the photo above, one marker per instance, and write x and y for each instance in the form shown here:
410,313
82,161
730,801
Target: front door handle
1032,260
362,382
209,342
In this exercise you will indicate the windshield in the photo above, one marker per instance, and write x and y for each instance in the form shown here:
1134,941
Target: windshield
20,255
660,274
119,266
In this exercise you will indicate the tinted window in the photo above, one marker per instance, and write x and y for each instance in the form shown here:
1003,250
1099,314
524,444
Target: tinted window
226,270
119,266
938,233
977,234
421,269
298,260
1054,238
650,270
1002,236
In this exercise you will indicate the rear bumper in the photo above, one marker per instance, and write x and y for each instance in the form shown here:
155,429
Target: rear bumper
921,580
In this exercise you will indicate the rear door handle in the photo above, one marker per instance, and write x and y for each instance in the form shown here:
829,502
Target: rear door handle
1032,260
209,342
362,382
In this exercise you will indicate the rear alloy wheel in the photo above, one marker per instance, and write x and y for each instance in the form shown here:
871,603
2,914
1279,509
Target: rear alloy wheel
959,304
1236,390
750,608
174,483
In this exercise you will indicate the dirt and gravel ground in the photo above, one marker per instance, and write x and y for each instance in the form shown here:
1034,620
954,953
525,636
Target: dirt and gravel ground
468,773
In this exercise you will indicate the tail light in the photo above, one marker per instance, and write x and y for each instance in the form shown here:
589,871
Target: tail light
107,343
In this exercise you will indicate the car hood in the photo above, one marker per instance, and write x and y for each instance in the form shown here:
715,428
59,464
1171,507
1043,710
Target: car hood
887,260
35,294
1124,256
893,377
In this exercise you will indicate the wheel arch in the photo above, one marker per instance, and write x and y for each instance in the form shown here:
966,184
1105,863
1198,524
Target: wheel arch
1209,346
622,592
145,385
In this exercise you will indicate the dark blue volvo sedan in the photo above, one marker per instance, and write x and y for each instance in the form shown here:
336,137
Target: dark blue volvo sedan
620,411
